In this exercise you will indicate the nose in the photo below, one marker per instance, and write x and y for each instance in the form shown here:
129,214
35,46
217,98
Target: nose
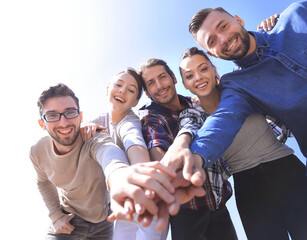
63,120
197,76
122,90
158,85
223,39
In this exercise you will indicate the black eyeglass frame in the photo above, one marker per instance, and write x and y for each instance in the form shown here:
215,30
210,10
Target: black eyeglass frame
63,114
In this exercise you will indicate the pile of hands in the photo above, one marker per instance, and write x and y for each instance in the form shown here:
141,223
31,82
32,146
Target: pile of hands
156,188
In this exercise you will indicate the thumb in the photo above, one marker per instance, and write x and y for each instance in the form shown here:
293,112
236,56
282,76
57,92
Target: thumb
70,216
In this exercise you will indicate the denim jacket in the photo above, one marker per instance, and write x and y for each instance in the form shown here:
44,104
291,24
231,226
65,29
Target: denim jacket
272,80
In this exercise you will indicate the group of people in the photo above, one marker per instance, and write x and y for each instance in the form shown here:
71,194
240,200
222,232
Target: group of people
170,164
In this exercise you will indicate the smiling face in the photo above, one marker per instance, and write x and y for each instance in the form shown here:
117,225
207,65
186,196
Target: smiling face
123,92
198,75
224,36
160,86
65,131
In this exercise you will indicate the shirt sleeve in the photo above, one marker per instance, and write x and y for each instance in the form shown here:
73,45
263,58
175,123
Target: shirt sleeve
130,132
279,129
48,191
156,132
221,127
108,154
191,120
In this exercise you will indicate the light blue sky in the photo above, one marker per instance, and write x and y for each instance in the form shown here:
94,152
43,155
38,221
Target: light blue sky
84,43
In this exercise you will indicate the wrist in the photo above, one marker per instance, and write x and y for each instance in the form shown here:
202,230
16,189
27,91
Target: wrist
199,160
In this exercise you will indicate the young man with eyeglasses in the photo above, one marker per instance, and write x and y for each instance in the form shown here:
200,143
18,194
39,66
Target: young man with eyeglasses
82,171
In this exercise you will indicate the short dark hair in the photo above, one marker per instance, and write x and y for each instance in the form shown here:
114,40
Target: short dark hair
151,63
137,78
59,90
198,19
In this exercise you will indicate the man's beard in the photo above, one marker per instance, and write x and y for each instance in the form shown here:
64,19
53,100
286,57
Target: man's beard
64,142
242,50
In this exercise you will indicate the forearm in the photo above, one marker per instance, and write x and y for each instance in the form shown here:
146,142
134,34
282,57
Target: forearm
50,196
137,154
156,153
219,130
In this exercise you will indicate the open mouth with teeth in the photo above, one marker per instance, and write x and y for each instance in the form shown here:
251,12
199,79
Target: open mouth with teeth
65,131
232,43
119,99
162,92
201,86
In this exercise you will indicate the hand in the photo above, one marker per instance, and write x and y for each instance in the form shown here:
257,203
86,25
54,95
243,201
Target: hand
185,191
268,23
62,225
130,182
179,156
88,130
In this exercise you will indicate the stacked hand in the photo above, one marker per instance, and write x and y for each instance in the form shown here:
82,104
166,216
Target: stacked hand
156,188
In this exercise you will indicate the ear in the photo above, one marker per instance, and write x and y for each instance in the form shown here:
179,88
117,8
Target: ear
239,20
136,102
107,92
184,85
211,54
41,124
147,93
217,76
174,79
81,116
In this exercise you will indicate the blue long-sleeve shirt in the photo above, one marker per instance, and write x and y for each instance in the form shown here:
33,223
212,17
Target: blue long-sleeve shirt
272,80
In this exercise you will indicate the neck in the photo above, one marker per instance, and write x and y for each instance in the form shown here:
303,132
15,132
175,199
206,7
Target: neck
210,103
61,149
174,105
252,45
116,116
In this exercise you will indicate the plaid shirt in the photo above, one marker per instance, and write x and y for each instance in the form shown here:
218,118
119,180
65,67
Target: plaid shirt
192,119
160,127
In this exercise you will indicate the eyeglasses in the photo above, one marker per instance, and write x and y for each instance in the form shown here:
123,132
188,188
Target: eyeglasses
54,117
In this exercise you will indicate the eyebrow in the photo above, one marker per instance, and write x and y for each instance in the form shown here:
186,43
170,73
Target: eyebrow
66,109
187,71
133,85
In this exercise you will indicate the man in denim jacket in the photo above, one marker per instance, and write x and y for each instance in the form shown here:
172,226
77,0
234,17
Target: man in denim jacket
270,75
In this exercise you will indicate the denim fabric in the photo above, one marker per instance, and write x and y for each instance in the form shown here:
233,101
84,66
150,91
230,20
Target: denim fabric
272,80
85,230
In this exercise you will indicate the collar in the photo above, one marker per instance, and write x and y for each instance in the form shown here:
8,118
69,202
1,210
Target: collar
254,57
153,106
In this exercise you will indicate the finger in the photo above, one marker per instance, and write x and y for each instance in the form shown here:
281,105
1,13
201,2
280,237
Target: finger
111,217
159,177
264,25
157,165
119,212
145,219
138,195
149,193
199,176
128,206
162,221
269,23
139,209
188,168
154,181
174,207
69,227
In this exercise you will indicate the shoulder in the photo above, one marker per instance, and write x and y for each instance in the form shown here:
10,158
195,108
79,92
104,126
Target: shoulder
40,144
